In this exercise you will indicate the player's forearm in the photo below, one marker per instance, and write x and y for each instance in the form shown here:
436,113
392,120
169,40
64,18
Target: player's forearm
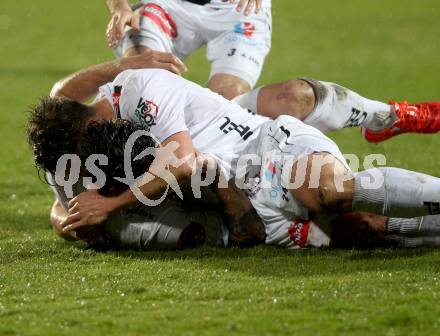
84,84
163,171
234,201
153,189
117,5
245,226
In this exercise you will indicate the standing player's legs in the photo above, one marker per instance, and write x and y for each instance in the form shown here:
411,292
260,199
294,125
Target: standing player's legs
229,86
164,26
237,47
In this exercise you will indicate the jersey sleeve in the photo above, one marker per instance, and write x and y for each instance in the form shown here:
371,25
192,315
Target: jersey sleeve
156,100
60,192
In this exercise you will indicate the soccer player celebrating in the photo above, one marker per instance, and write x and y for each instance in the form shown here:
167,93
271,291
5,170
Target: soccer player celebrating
237,40
174,224
176,110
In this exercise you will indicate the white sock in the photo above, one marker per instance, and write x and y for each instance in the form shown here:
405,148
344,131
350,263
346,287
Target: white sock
337,108
395,192
413,242
419,226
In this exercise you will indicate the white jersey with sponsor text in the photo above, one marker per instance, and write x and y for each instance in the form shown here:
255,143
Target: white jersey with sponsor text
165,104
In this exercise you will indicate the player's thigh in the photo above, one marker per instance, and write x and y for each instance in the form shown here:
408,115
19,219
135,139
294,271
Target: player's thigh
241,47
136,50
229,86
163,27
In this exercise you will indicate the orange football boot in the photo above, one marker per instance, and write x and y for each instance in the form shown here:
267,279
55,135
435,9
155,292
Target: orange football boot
411,118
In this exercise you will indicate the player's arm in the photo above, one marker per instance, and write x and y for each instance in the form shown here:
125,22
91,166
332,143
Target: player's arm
84,84
166,169
91,208
57,216
245,226
122,15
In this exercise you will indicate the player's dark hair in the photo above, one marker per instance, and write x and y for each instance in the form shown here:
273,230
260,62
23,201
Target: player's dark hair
55,127
109,137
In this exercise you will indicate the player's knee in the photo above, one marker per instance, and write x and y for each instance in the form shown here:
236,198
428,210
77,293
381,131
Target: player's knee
328,197
335,192
299,98
228,86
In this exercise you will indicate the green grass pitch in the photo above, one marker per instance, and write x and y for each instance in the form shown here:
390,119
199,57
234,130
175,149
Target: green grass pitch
381,48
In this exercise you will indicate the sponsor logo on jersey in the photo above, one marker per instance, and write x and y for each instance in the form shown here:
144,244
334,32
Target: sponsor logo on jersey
271,170
116,95
146,112
276,189
245,28
229,126
299,232
161,18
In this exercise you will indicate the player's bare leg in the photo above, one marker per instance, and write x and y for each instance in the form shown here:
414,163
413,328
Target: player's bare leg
329,187
328,107
295,97
228,86
138,50
325,106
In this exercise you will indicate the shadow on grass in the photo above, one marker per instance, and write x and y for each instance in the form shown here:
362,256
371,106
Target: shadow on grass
267,261
26,72
262,261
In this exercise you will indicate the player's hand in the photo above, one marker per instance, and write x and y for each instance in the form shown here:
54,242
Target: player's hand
155,59
120,19
247,5
87,209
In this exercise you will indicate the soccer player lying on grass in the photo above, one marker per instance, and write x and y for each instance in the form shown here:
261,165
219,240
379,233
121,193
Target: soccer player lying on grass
176,110
177,224
174,224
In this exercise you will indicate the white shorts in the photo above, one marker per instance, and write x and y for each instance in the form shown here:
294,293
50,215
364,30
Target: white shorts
285,141
236,44
161,227
158,227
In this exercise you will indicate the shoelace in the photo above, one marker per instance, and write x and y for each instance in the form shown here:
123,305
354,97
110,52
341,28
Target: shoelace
415,118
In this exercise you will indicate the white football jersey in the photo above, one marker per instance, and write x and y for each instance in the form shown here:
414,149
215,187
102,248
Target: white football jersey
165,104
